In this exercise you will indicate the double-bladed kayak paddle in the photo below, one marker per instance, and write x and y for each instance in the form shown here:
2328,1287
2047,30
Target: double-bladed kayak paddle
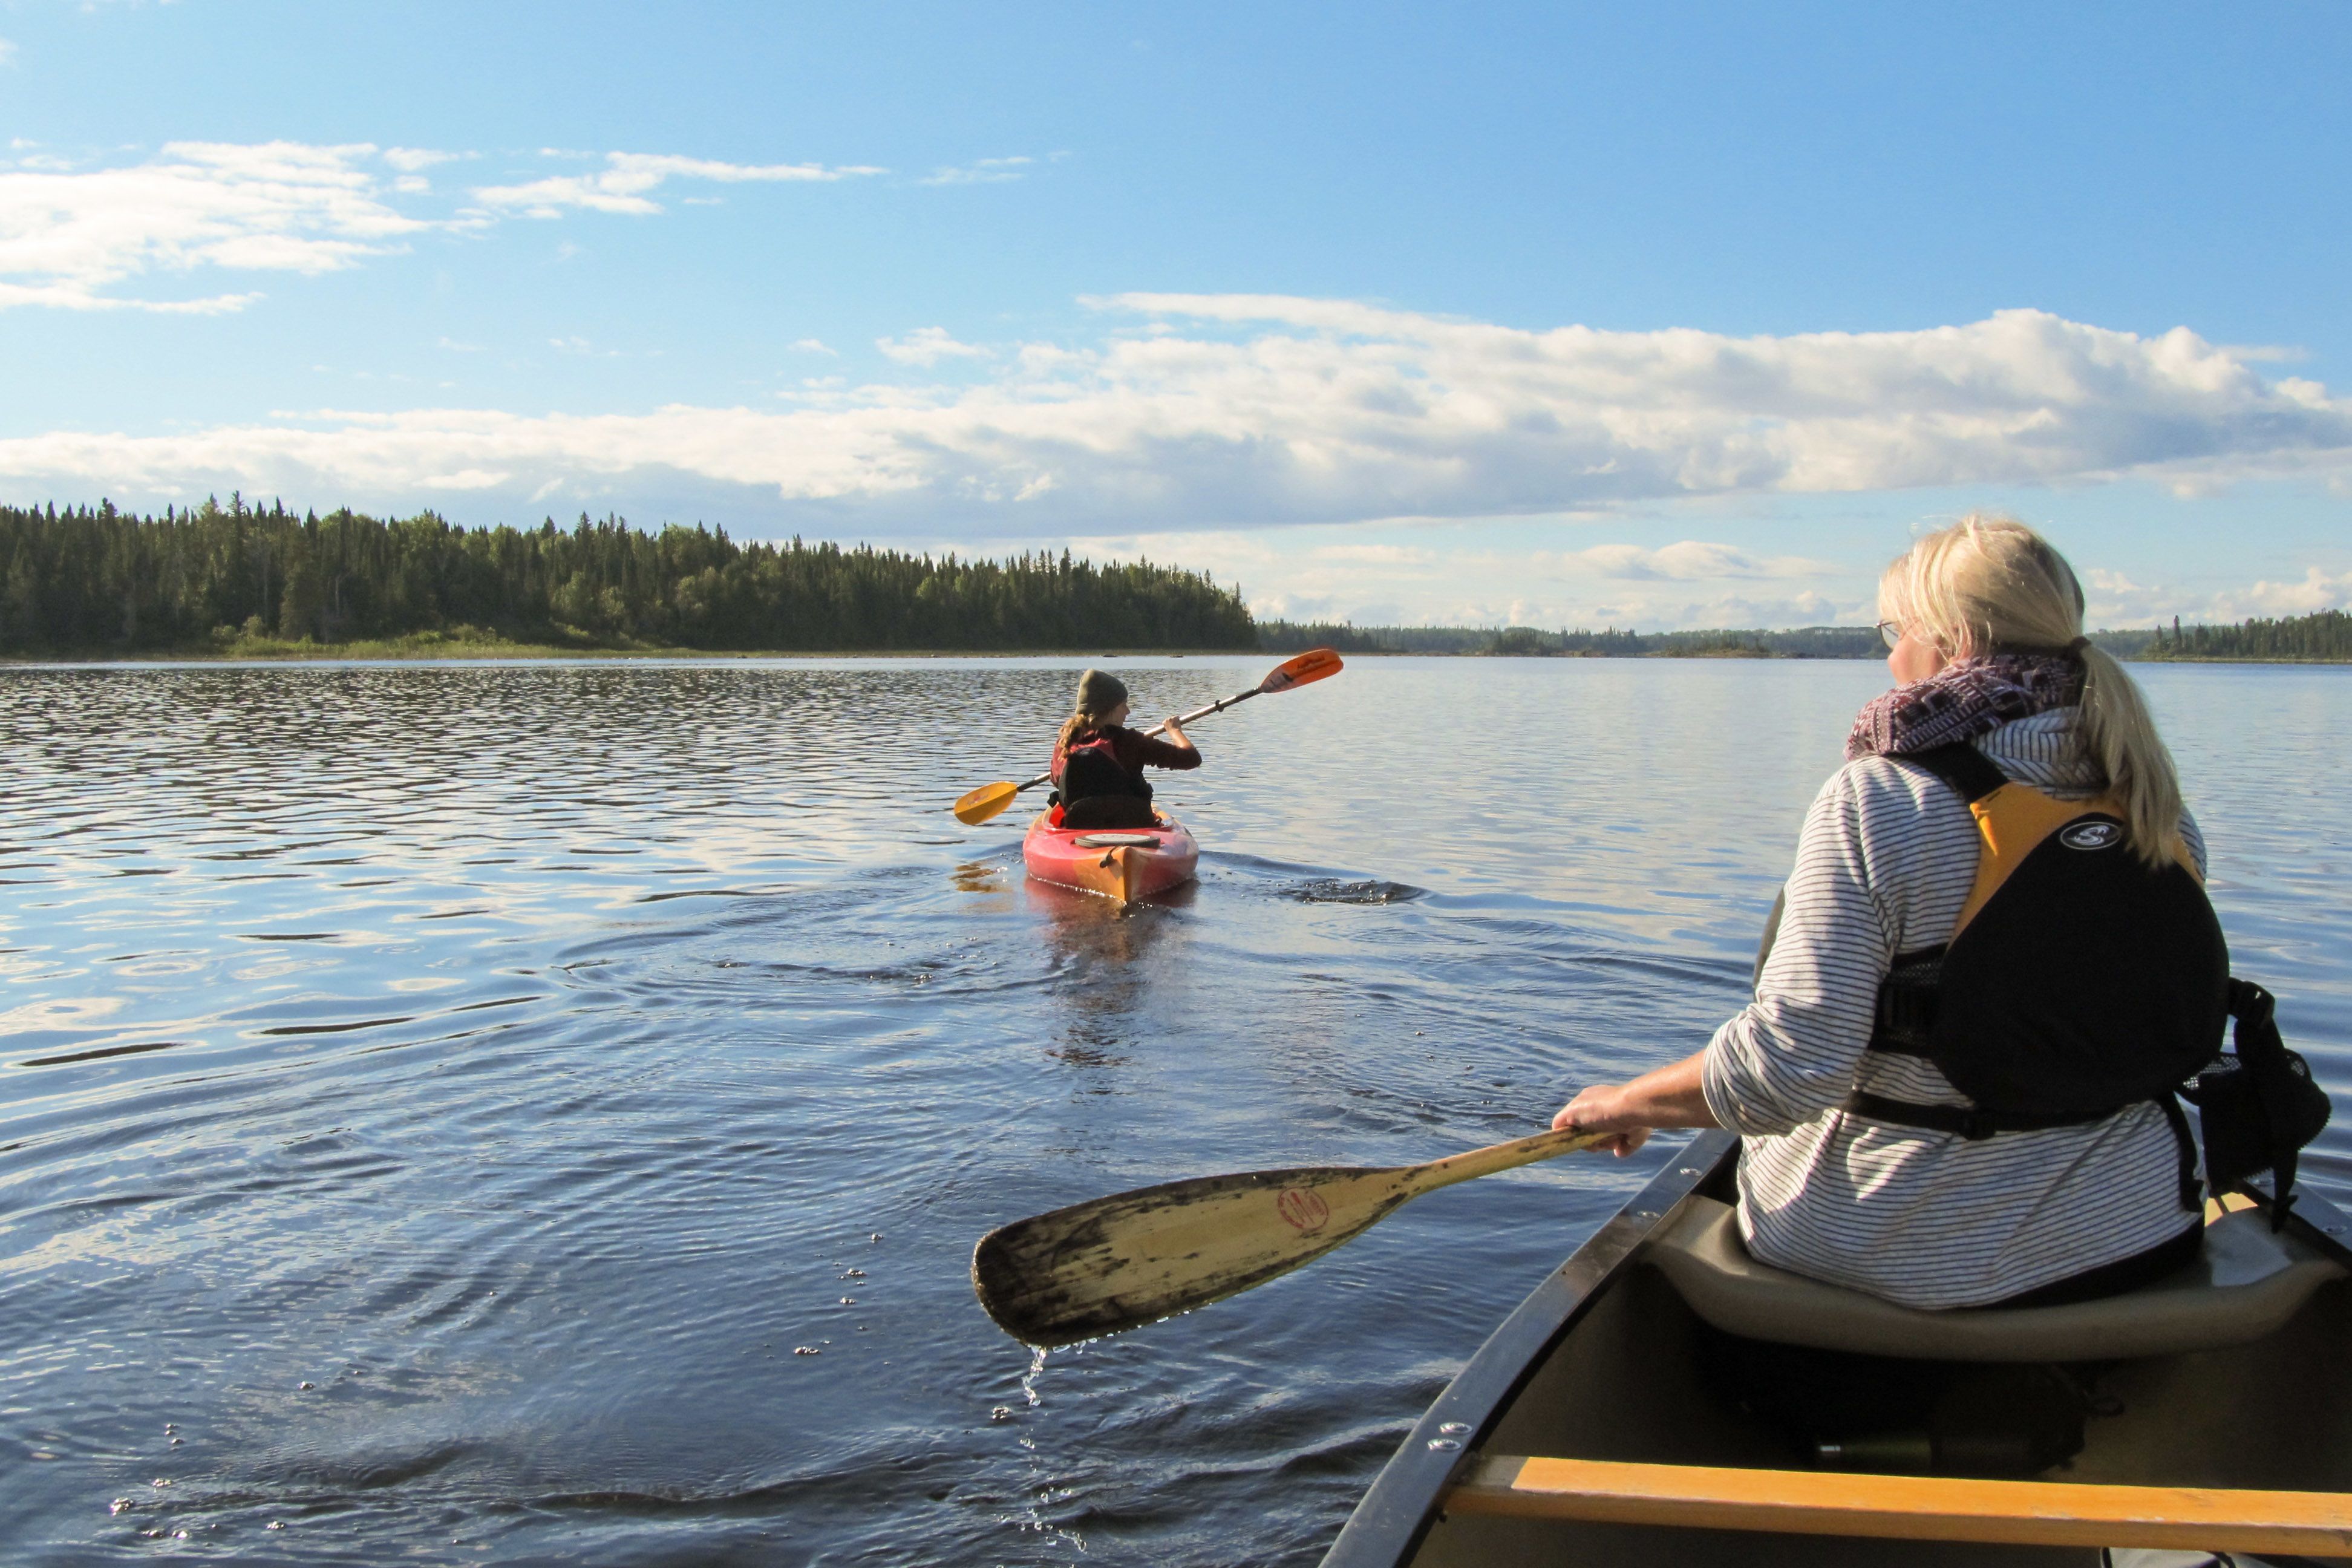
1313,665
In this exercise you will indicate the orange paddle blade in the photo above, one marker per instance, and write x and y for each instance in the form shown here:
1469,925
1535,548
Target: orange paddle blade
1313,665
985,802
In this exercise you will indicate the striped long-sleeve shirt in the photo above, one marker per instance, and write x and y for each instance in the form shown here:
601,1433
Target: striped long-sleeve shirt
1924,1218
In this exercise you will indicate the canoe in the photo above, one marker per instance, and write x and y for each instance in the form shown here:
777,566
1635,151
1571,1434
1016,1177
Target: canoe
1122,863
1587,1431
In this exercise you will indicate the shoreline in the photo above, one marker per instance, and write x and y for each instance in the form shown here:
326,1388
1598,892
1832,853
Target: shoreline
408,651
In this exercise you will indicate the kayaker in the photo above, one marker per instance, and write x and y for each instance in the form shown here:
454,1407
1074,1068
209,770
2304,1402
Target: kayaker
1862,1163
1098,762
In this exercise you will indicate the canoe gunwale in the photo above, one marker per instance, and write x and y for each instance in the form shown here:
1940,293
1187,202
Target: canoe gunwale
1389,1523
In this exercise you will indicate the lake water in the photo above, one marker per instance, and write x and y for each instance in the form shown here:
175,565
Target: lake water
438,1103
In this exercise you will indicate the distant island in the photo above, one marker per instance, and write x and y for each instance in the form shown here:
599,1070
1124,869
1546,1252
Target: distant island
248,582
2325,638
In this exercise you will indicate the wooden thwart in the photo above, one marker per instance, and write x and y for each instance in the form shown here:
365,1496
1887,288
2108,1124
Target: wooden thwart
1908,1508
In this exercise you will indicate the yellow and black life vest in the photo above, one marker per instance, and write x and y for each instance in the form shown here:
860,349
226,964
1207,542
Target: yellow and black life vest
2079,979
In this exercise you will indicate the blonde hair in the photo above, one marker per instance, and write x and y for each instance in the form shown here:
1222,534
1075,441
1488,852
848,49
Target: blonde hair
1991,584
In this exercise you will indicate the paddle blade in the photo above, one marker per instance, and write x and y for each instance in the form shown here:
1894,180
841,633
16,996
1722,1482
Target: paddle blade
1311,665
985,802
1134,1258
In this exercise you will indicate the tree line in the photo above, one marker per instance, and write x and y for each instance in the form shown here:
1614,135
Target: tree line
87,580
1525,642
2325,635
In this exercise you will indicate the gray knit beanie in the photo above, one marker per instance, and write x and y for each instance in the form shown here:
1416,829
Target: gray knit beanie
1100,691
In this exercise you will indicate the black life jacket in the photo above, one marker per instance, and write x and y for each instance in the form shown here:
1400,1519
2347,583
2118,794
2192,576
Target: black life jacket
2078,981
1090,767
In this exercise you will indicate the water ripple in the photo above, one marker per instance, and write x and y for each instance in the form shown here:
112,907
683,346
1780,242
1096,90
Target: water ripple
441,1102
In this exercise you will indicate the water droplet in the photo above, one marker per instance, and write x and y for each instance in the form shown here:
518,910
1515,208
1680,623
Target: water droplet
1445,1445
1002,1413
805,1350
875,1237
117,1505
159,1482
1455,1428
309,1385
855,1274
170,1427
275,1525
176,1442
849,1300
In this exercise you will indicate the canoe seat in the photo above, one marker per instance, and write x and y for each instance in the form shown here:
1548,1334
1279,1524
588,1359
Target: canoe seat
2248,1284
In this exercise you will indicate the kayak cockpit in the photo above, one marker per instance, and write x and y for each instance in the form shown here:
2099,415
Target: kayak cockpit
1593,1429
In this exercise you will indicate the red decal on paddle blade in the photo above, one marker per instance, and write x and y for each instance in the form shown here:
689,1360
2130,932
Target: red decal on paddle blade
1305,1212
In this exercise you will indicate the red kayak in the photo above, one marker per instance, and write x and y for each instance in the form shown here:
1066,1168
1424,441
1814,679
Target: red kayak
1122,863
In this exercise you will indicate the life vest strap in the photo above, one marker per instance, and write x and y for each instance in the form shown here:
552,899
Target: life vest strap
1973,1122
1976,1124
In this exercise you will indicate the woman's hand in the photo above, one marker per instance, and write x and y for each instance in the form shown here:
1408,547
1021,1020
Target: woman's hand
1601,1109
1176,736
1672,1096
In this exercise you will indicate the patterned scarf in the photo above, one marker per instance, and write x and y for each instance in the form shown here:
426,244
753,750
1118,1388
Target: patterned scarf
1964,699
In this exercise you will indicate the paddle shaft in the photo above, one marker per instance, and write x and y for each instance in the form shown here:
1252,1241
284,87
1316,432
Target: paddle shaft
1181,719
1472,1164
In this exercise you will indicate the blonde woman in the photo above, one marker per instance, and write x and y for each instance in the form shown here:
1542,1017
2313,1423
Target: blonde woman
1863,1162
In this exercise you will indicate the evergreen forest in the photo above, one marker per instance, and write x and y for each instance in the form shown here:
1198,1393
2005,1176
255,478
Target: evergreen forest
90,581
2323,637
1524,642
2326,636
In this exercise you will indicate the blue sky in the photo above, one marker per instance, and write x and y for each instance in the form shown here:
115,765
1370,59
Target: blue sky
1555,314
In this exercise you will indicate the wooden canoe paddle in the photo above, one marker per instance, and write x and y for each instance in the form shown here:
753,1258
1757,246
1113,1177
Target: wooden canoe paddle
978,806
1134,1258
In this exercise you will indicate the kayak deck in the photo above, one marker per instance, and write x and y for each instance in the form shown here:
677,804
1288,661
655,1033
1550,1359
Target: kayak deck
1124,864
1584,1433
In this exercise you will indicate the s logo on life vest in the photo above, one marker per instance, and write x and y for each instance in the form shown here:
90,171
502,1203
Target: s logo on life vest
2092,835
1307,1213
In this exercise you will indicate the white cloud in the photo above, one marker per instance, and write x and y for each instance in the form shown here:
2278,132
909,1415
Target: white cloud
69,236
7,53
2115,600
927,346
1335,411
980,171
279,206
624,184
1479,580
1686,561
2318,591
813,346
417,160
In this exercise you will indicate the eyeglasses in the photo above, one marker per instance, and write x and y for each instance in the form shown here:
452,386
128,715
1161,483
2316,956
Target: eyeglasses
1891,631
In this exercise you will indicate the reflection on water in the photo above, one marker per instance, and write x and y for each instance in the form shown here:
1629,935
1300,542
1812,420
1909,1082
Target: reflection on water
543,1114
